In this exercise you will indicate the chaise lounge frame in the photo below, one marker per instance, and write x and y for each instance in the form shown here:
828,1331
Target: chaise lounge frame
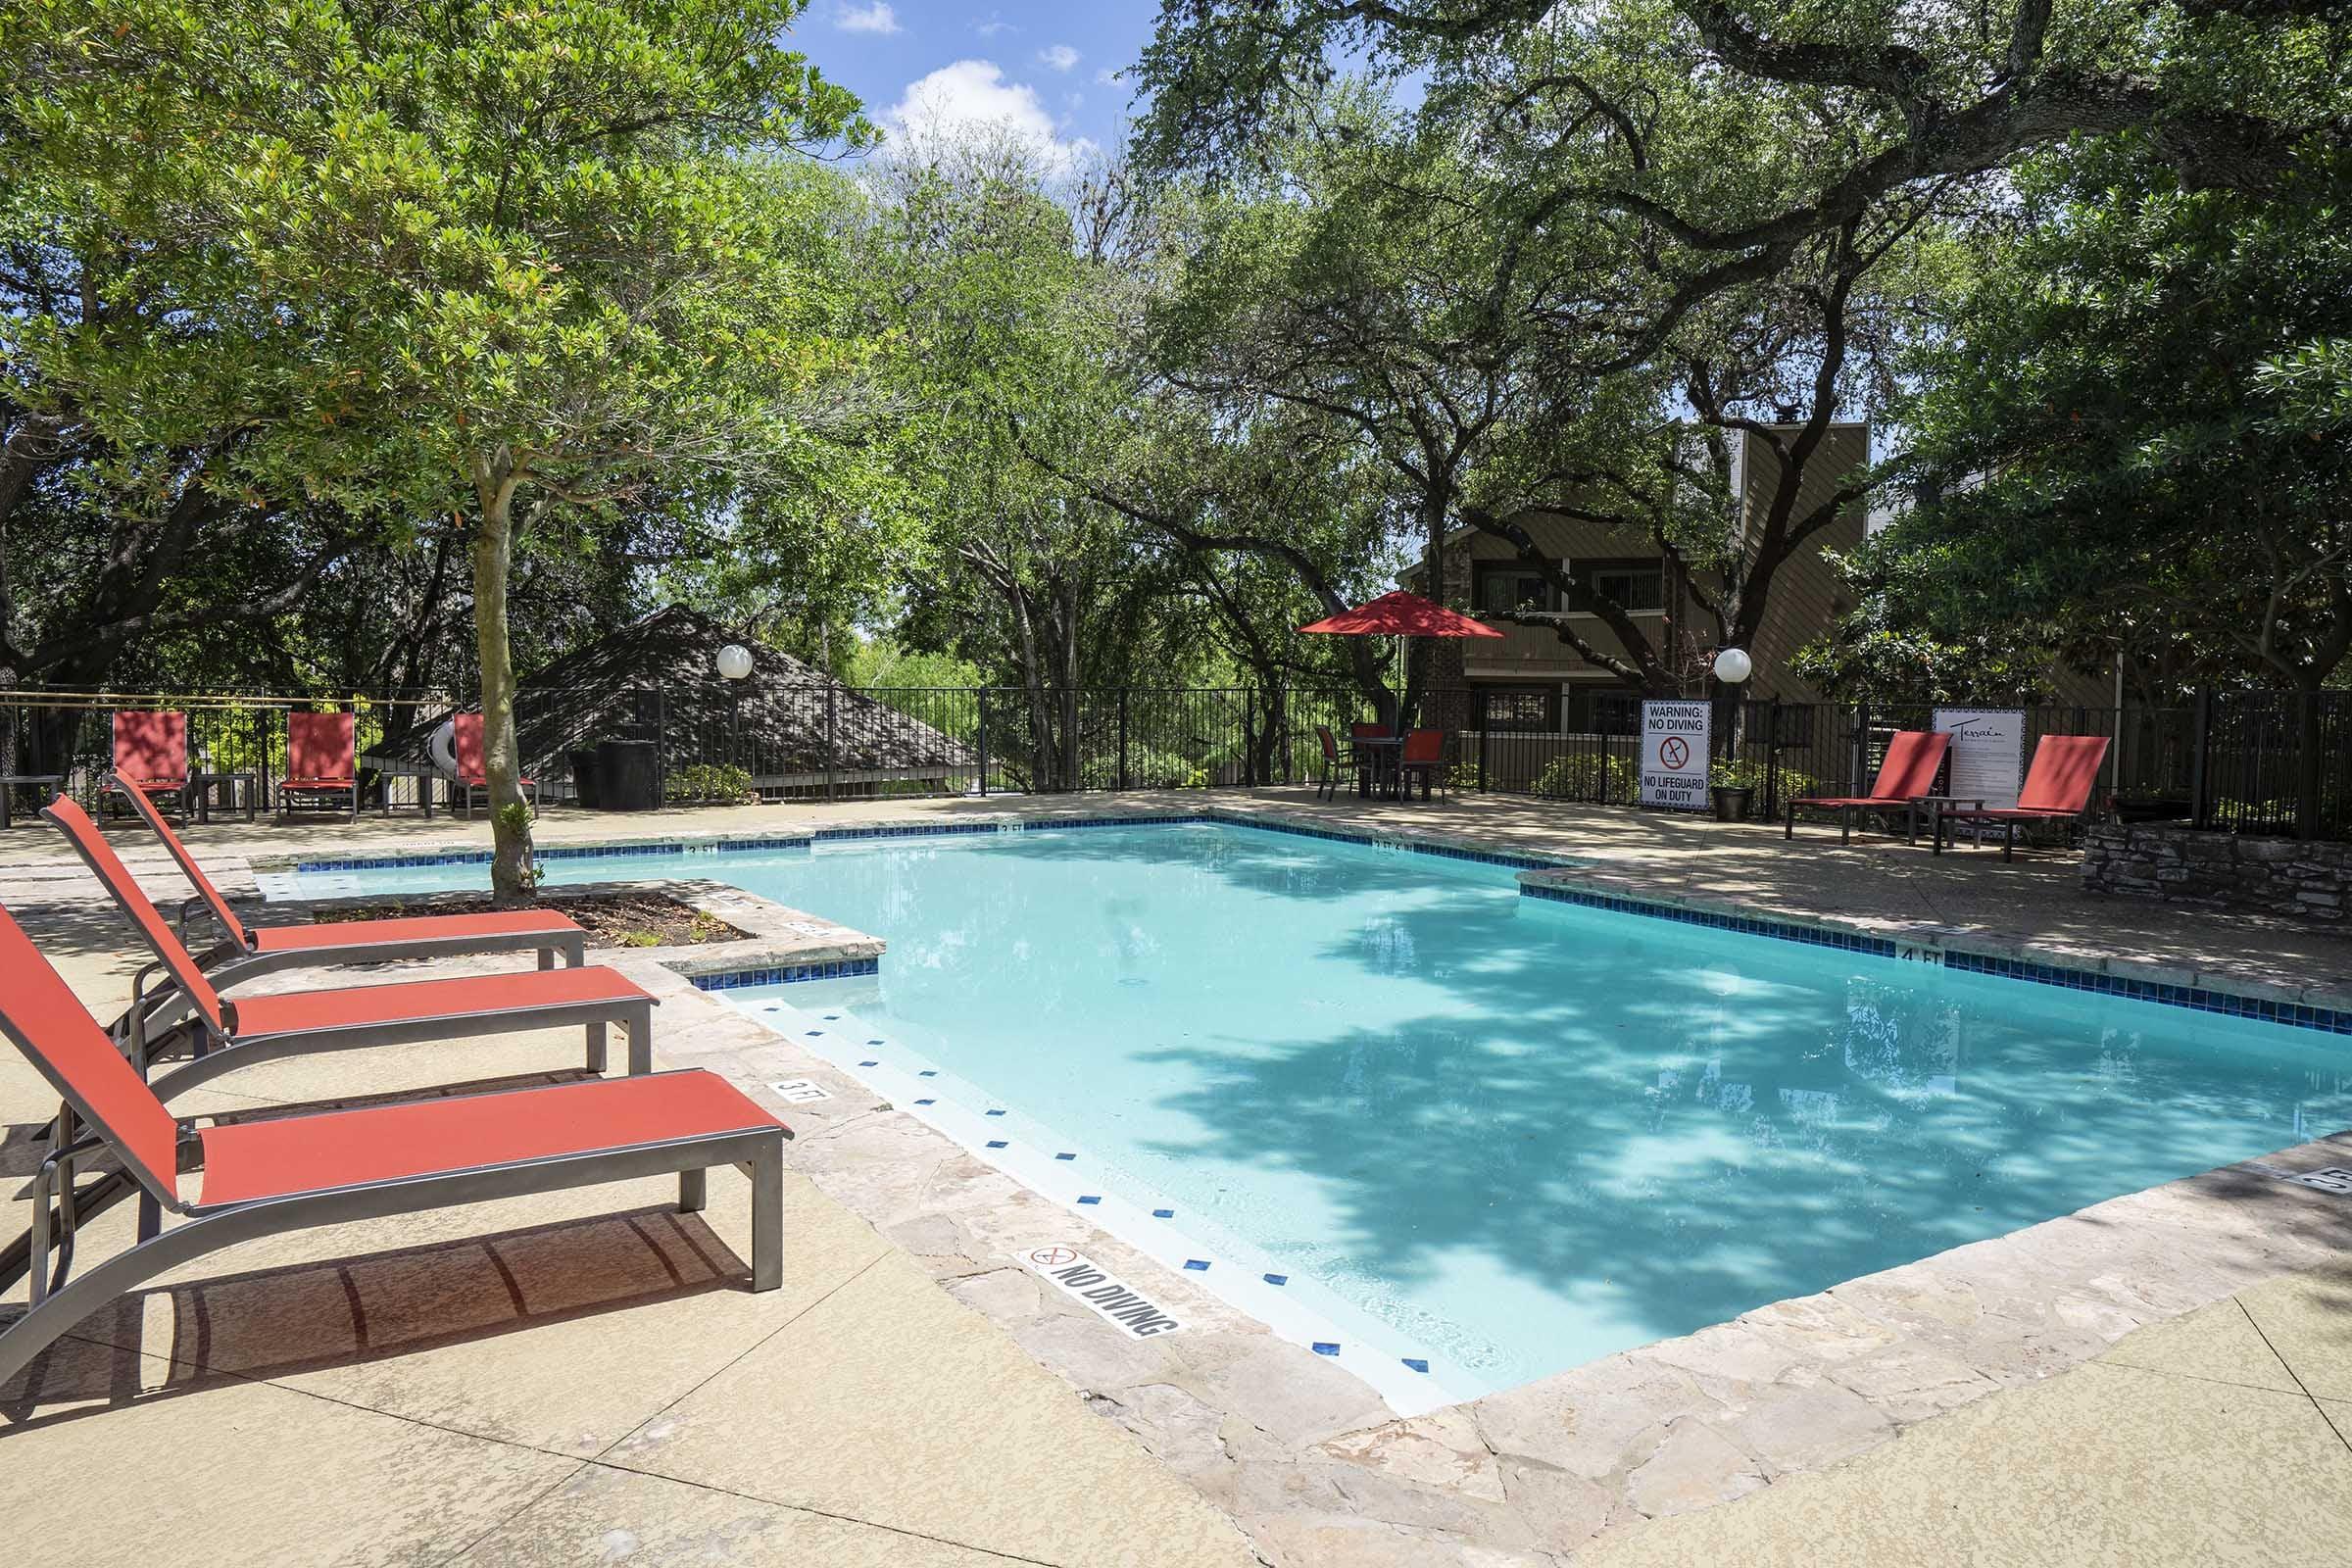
247,953
579,996
100,1093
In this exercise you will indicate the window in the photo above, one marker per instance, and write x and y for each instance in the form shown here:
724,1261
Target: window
1505,587
1523,709
1615,713
1637,586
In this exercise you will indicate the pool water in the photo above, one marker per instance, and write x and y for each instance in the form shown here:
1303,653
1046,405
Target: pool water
1512,1135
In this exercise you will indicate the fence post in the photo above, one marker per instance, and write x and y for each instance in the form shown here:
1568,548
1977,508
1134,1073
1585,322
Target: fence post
1122,738
661,745
1772,759
983,696
2200,771
1249,737
832,738
2307,763
1479,715
1857,760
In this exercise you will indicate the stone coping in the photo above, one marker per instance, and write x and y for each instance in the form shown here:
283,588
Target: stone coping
778,937
2324,1007
1996,953
1308,1460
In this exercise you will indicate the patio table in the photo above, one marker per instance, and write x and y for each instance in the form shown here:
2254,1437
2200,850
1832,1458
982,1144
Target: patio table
1383,753
8,791
248,785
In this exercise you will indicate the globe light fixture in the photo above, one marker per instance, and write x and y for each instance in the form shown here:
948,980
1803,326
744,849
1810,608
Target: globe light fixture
1733,666
734,661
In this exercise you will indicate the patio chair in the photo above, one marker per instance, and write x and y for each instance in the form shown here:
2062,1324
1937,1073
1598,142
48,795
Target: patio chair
1335,762
1906,777
222,1034
248,951
472,772
2058,783
151,750
1371,762
1423,754
322,762
290,1173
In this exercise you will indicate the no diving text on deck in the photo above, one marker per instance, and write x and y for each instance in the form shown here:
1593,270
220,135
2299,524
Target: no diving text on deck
1080,1277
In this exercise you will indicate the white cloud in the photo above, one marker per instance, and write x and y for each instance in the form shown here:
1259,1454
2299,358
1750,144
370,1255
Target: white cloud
1058,57
993,23
874,17
973,95
1106,77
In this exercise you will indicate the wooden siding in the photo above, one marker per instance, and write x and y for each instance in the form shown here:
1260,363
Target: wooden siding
1805,598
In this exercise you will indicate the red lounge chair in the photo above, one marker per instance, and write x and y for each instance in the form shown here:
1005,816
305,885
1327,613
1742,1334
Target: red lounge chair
2058,783
1424,754
151,750
226,1035
1906,776
472,773
252,950
323,762
265,1178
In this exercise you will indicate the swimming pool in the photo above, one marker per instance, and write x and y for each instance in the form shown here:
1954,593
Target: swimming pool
1492,1134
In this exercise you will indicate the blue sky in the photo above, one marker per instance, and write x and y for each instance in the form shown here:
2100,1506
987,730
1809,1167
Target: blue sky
1043,69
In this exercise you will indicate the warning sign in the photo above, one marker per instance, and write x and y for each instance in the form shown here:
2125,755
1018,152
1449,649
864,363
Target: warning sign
1675,740
1078,1276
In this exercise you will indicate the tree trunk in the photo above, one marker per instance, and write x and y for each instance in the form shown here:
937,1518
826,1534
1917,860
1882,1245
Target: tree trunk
514,878
2308,739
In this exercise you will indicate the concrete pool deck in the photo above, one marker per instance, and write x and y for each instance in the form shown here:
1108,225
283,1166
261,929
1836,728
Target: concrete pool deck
645,1411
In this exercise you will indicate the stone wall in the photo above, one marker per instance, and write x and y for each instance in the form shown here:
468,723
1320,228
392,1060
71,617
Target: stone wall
2221,871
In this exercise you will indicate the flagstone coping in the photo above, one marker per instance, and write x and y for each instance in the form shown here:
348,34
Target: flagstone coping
1318,1471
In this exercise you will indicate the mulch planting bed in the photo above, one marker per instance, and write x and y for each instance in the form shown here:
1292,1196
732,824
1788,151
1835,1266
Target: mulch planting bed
611,920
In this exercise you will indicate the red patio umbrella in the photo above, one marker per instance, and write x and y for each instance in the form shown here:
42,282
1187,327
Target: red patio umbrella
1400,615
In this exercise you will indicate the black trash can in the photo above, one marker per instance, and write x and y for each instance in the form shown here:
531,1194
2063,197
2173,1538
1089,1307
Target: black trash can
628,776
583,778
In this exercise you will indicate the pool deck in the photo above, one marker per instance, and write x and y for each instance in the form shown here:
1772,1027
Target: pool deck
2165,1377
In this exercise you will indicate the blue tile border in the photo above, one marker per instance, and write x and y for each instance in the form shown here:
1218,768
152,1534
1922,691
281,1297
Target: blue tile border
2197,999
564,851
785,974
1509,860
1746,924
1445,852
2194,998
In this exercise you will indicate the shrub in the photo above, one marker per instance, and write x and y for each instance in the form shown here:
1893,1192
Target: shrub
1746,772
1590,776
708,781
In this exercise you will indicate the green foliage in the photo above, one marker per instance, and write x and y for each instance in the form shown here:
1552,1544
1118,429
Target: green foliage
2135,434
1603,776
715,782
880,662
1752,773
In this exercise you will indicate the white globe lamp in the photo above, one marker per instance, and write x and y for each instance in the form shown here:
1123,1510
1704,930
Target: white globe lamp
1733,666
734,661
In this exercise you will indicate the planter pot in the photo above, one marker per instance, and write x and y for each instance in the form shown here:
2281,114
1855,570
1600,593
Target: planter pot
1731,802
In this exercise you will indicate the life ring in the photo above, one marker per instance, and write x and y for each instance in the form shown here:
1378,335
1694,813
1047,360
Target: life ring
443,745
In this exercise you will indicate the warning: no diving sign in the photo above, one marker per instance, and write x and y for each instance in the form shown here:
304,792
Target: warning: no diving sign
1080,1277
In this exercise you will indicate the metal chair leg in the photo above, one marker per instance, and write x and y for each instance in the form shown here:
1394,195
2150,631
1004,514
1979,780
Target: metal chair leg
640,1024
694,1191
768,1215
596,1046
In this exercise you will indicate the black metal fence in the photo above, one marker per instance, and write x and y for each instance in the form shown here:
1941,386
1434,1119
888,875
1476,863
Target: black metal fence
2232,760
